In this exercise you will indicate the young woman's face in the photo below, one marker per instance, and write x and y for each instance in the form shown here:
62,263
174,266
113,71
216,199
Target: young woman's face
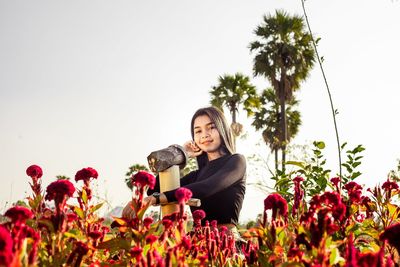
206,136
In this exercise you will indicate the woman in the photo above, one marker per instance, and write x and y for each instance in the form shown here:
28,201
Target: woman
220,181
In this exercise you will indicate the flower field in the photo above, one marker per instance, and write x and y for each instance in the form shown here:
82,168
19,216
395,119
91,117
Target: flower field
341,225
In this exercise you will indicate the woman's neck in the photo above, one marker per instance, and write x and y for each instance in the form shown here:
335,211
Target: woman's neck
215,155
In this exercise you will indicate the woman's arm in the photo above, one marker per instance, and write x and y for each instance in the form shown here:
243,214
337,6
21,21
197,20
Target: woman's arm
230,173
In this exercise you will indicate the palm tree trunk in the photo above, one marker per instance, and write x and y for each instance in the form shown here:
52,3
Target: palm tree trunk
283,122
234,122
276,161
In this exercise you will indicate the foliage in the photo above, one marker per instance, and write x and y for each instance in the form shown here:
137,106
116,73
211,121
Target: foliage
285,56
336,224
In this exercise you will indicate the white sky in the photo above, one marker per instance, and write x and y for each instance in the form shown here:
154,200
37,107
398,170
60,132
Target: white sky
104,83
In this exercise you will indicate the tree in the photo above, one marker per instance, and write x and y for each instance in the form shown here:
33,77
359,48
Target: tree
267,118
231,92
285,56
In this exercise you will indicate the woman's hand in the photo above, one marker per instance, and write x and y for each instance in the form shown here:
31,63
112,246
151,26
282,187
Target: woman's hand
128,212
192,150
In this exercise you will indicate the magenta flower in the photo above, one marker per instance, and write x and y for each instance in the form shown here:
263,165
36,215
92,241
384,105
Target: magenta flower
278,205
198,215
143,178
335,181
147,222
6,245
392,235
354,191
183,194
19,214
150,239
59,189
85,174
136,252
34,171
389,186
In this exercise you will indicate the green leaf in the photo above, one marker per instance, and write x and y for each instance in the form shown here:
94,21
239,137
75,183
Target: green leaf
79,212
296,163
115,244
320,144
94,208
84,196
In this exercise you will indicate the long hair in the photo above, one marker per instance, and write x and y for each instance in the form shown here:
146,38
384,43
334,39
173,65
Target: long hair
218,118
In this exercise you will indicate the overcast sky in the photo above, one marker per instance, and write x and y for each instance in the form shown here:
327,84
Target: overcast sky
104,83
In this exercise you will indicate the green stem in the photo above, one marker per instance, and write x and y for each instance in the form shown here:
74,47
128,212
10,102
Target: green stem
329,92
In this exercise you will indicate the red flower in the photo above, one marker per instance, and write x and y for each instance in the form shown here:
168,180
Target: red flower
389,186
198,215
183,194
354,191
277,203
298,179
167,223
335,181
6,244
59,189
34,171
136,252
150,239
19,214
85,174
392,235
143,178
147,222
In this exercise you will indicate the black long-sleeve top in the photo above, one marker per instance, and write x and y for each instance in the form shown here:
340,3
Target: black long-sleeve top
220,185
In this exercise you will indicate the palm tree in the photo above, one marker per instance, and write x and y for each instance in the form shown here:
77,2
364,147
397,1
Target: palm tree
231,92
267,117
285,56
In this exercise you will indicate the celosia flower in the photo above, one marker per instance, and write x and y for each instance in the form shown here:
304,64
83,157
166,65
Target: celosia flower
183,194
136,252
59,189
6,245
19,214
85,174
167,223
147,222
392,235
278,205
335,181
186,242
198,215
150,239
389,186
354,191
143,178
34,171
298,193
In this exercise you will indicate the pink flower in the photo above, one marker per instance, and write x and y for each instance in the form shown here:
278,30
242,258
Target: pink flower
19,214
183,194
278,205
6,245
85,174
34,171
198,215
59,189
143,178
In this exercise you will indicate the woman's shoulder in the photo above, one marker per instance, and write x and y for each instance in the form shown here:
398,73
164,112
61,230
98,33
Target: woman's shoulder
238,157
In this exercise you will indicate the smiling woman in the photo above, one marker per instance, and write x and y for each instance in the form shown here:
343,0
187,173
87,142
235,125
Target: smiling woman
220,181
